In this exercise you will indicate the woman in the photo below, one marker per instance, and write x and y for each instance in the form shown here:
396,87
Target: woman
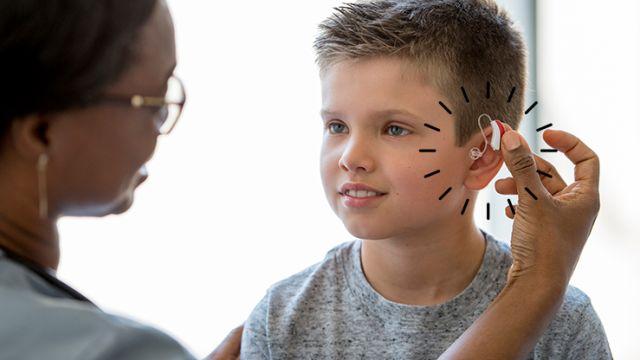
83,93
87,88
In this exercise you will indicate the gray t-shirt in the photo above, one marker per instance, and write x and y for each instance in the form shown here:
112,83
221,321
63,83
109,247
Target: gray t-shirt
330,311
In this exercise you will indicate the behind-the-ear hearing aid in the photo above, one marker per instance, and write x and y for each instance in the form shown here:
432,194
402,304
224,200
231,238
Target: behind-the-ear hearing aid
497,130
496,134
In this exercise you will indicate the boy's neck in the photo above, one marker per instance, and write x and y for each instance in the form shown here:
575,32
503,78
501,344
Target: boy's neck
424,269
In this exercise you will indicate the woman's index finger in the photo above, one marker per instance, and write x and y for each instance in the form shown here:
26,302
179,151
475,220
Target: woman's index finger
587,164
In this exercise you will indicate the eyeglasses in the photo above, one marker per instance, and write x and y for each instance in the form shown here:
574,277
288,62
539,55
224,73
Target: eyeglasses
168,108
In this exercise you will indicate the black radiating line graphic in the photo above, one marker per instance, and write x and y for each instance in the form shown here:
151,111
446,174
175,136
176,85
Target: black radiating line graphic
432,173
488,96
466,98
445,107
544,127
513,210
513,91
544,173
464,207
531,107
445,193
432,127
531,193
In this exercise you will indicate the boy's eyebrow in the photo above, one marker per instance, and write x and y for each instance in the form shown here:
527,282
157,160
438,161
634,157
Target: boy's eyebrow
327,113
377,114
391,112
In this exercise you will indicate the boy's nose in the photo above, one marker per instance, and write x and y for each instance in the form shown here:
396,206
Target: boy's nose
356,157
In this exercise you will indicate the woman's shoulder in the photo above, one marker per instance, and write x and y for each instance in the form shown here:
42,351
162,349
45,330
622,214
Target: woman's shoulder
327,272
35,325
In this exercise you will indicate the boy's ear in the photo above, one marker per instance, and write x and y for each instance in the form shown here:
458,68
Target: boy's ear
484,169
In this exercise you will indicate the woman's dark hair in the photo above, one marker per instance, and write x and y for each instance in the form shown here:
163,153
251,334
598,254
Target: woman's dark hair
60,54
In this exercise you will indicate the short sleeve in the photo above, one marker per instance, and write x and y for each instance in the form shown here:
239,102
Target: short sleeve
589,342
255,339
35,327
575,333
129,340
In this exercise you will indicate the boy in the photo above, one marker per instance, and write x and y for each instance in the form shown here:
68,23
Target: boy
420,273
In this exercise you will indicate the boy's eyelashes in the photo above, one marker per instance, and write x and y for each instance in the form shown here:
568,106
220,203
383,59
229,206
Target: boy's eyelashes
336,128
394,130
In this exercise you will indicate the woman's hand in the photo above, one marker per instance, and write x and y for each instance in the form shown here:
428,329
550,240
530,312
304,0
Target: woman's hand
229,349
551,224
552,220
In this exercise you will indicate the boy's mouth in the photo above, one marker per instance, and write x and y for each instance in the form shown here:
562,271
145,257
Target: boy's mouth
359,190
359,195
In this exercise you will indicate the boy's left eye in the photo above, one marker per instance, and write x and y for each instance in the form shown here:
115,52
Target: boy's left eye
395,130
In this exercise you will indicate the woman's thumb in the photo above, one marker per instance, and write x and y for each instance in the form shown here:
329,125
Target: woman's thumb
521,163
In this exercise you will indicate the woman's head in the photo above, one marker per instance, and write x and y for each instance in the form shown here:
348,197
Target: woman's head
59,61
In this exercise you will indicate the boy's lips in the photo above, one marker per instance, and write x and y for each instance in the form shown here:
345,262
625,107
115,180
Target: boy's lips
358,195
351,186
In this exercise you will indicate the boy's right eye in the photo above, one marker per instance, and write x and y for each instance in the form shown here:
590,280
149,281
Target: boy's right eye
336,128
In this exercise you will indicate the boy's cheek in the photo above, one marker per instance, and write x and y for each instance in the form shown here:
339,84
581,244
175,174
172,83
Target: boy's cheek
410,179
329,176
415,192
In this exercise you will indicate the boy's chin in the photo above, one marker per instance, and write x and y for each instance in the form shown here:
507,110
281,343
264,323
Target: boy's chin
370,232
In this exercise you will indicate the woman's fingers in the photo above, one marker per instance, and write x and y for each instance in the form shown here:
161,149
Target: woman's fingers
522,165
586,161
511,211
587,165
506,186
548,174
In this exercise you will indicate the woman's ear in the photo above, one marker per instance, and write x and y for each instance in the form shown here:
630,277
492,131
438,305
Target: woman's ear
29,136
485,168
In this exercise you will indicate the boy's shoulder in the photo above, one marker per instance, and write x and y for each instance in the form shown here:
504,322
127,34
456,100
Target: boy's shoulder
576,331
311,309
575,300
339,261
329,273
320,276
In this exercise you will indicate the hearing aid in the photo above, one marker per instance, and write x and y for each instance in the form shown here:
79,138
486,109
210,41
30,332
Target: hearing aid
497,130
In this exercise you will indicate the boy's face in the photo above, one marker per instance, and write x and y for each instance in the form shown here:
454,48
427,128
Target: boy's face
374,113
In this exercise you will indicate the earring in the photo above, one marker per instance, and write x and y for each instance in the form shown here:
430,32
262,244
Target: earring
43,204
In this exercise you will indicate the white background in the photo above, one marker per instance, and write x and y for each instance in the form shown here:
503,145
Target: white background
589,67
234,200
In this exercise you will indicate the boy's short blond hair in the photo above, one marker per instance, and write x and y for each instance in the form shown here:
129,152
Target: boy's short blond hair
453,43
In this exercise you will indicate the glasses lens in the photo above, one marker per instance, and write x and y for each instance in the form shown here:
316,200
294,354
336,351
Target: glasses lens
175,91
162,117
175,98
172,112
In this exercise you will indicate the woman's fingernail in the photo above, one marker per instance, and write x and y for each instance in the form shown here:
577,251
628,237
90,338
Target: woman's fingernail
511,140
